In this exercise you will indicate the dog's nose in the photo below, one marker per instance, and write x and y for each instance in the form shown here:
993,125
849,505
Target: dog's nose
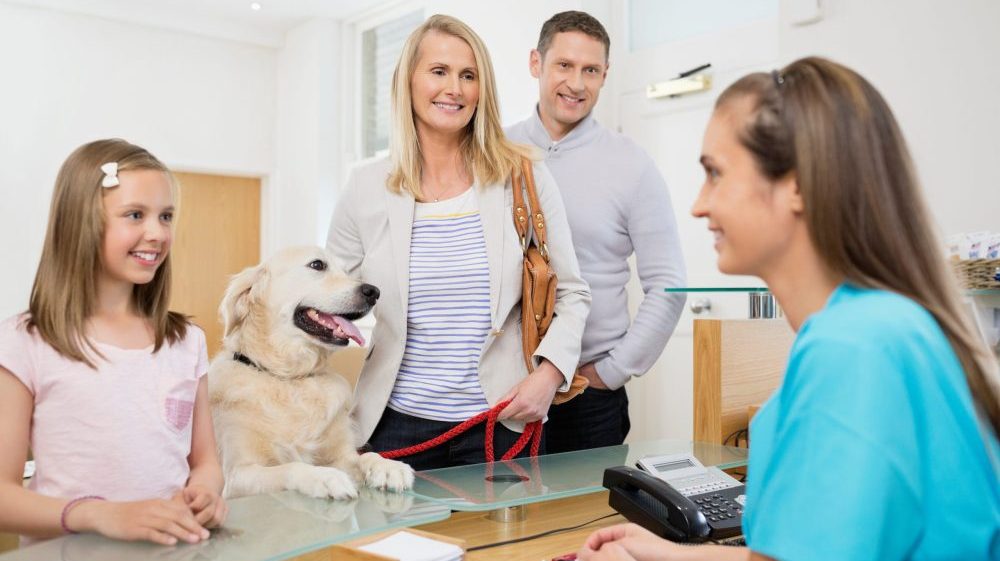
370,292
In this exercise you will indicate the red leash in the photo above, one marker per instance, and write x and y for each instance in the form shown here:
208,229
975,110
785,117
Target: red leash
532,431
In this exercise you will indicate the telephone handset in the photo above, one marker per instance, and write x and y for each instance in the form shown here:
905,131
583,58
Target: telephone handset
683,501
655,505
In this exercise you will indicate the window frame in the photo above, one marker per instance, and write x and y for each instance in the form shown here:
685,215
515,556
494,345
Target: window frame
352,73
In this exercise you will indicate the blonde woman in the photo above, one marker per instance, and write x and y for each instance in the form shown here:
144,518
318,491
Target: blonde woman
431,227
881,442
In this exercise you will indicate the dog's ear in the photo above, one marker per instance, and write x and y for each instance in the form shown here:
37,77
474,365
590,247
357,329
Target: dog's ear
243,292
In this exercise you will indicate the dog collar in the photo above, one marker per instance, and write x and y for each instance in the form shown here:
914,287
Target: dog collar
240,357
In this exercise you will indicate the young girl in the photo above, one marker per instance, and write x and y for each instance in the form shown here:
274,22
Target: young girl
881,442
98,377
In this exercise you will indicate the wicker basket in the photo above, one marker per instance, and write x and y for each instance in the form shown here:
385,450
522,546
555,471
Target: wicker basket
977,274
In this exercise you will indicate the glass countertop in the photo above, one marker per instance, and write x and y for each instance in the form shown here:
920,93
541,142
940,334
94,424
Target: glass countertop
554,476
260,528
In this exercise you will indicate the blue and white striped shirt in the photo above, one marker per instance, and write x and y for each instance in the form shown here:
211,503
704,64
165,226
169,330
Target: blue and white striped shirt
448,316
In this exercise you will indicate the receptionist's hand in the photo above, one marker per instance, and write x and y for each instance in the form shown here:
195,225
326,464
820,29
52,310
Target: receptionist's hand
626,542
530,399
611,551
630,541
589,371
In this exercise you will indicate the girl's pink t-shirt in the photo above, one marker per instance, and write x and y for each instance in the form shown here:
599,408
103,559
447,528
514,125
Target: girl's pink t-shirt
122,431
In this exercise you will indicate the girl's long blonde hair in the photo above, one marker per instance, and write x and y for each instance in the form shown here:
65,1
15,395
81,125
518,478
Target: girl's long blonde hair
486,151
64,293
863,203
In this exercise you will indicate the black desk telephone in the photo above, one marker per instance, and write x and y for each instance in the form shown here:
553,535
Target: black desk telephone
683,502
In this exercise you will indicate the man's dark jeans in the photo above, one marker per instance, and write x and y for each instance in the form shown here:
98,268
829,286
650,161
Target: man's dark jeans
592,419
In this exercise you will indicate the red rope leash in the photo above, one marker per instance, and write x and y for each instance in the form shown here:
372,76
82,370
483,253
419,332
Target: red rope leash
532,431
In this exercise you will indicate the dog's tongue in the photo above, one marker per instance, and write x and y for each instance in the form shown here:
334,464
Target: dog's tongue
338,324
350,330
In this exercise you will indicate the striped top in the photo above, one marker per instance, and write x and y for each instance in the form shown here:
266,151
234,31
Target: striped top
448,316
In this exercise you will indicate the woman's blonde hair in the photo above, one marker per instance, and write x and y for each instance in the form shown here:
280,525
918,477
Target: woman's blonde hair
863,204
486,151
64,294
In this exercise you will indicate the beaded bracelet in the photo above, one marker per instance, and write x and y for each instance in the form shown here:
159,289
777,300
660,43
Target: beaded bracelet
70,505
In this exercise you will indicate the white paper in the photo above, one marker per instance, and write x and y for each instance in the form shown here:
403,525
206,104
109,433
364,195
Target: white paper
406,546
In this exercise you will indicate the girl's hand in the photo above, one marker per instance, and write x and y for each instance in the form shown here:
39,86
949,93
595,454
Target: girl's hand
530,399
209,508
157,520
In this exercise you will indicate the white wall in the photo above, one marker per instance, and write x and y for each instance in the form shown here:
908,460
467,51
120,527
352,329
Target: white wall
199,104
936,64
308,135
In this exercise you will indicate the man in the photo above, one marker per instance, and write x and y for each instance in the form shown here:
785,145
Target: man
617,203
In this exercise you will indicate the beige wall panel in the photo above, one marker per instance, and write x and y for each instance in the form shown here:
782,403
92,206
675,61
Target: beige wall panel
218,235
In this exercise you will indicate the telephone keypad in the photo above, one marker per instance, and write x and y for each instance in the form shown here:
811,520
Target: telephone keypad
723,510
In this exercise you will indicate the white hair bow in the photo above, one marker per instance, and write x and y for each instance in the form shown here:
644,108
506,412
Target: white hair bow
110,170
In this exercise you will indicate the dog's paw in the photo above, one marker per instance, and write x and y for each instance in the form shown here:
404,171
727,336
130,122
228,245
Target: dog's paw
381,473
321,482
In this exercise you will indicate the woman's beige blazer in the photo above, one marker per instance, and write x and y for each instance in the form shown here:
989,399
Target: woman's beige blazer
370,236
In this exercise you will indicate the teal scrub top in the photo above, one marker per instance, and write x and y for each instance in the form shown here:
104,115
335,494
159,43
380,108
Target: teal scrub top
872,447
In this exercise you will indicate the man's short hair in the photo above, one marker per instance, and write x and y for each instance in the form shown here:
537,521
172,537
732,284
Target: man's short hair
573,21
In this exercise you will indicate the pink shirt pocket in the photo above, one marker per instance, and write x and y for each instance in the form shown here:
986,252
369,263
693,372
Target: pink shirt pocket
178,404
178,412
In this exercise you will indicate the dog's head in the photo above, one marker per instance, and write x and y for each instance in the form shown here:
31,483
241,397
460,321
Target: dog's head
298,291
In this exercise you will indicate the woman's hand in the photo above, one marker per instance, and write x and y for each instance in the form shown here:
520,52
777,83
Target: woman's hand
209,508
612,551
630,541
158,520
626,542
531,398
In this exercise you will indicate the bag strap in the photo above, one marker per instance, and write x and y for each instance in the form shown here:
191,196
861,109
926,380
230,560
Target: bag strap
529,215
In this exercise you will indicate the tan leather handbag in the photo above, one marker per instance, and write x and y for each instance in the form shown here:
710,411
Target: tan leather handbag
538,300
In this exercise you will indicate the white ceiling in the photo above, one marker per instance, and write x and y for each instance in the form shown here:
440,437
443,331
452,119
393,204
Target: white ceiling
226,19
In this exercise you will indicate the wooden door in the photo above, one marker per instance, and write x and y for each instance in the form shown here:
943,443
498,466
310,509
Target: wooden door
218,235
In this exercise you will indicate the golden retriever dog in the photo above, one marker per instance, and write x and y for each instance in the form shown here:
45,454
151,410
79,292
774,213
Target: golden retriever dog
281,414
